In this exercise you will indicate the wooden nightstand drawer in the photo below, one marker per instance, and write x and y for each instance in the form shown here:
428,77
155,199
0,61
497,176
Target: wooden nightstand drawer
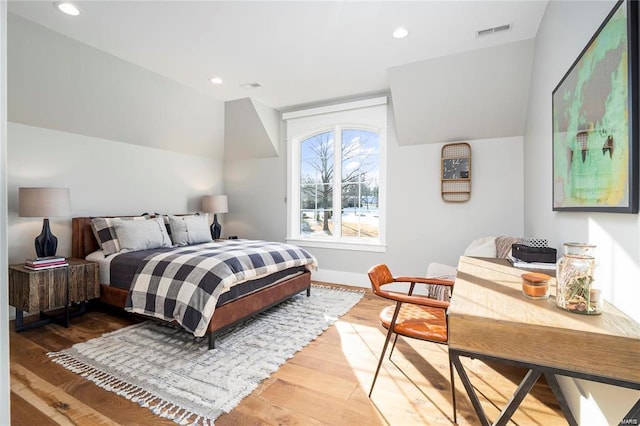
36,291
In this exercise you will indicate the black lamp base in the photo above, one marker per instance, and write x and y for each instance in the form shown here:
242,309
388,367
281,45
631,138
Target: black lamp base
216,228
46,242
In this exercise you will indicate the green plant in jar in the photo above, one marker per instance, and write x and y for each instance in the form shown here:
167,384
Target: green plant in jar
575,289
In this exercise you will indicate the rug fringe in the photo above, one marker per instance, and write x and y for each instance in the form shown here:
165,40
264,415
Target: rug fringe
144,398
350,290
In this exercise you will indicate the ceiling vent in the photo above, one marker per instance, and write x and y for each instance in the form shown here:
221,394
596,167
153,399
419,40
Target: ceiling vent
498,29
253,85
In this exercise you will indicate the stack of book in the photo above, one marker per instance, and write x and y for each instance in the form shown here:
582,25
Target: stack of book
48,262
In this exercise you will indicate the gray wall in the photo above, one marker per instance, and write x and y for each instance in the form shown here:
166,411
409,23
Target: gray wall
472,95
250,130
566,28
58,83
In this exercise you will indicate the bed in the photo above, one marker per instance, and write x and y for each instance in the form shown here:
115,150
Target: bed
251,299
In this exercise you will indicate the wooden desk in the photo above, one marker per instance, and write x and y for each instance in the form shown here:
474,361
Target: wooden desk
490,319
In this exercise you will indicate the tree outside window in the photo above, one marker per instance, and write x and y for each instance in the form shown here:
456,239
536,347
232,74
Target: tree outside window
346,177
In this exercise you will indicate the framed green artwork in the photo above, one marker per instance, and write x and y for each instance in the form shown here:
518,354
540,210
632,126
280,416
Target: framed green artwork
595,121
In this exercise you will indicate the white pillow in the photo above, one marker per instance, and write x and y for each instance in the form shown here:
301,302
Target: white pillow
186,230
442,271
482,247
136,235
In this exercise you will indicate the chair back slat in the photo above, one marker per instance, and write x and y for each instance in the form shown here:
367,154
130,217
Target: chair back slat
379,275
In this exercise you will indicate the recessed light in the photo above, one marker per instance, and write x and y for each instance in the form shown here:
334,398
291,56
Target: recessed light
400,32
215,80
66,7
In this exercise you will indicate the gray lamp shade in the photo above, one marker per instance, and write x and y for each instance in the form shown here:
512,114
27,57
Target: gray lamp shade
44,202
215,204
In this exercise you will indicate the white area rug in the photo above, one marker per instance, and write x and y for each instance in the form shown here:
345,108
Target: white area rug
173,374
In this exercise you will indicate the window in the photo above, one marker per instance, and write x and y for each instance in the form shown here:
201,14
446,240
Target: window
336,170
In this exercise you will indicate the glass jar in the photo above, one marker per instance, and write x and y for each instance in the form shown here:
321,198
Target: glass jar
535,285
576,289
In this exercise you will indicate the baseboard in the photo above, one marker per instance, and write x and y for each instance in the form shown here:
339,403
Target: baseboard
357,280
341,277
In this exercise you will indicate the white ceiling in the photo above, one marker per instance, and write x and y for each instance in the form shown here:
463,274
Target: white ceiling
300,51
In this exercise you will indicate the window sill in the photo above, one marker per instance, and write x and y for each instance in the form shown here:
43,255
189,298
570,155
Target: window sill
339,245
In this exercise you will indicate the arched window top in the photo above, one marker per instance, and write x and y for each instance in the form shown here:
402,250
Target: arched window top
336,171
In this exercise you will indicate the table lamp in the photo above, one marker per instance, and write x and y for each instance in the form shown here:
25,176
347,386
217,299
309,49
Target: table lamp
215,204
46,203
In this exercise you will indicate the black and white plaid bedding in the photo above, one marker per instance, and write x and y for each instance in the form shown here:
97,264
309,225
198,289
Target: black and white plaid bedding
184,284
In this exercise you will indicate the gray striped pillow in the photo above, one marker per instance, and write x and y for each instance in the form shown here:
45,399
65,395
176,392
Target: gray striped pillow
503,245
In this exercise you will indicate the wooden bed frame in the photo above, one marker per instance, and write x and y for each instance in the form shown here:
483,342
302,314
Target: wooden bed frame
83,242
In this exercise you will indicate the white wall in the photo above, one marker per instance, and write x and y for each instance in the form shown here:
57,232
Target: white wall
421,228
105,178
5,413
565,30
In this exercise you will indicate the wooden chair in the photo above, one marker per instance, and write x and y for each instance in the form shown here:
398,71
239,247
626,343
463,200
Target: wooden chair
415,316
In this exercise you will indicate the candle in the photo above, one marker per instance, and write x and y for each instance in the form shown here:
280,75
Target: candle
535,285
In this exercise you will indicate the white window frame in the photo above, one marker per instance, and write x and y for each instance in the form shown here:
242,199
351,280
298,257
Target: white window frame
368,114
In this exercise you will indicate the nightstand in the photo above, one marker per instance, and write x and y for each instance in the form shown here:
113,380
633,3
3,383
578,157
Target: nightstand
48,289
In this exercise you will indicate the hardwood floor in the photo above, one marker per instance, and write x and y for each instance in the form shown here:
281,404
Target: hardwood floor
325,383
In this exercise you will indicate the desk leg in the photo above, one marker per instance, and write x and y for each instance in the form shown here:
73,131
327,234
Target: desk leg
523,389
455,359
633,416
520,393
557,391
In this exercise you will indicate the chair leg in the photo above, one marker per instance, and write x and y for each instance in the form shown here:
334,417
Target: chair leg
393,346
453,391
386,343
